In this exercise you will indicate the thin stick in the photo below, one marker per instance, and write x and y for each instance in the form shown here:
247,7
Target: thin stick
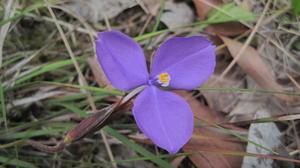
293,80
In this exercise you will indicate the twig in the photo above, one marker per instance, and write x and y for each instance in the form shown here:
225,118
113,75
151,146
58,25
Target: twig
293,80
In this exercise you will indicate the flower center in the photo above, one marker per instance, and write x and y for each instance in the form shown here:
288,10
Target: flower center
164,79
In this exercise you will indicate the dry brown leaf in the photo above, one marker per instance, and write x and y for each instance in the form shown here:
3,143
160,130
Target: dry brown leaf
217,140
221,100
227,29
213,160
253,65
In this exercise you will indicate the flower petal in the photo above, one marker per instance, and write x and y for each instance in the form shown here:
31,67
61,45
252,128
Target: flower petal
164,117
122,60
189,61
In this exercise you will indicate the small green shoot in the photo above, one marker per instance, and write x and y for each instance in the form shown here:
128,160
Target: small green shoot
230,11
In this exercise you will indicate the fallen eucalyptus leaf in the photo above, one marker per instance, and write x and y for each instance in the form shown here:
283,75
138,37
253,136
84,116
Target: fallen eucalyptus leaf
253,65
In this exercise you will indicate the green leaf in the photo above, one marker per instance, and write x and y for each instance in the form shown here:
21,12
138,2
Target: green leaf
31,133
136,147
69,98
46,68
295,7
12,60
230,11
15,162
90,88
74,109
3,146
207,22
2,102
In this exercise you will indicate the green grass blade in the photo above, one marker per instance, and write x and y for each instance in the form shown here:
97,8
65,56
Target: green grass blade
74,109
236,134
295,7
157,21
46,68
31,133
90,88
158,17
252,90
207,22
152,34
12,60
11,144
15,162
22,126
3,107
136,147
69,98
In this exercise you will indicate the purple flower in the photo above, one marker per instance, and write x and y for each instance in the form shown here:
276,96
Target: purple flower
179,63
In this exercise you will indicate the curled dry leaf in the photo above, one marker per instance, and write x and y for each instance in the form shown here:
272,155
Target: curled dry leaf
228,28
253,65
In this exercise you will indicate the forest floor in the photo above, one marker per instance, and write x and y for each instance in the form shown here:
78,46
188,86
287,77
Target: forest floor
246,115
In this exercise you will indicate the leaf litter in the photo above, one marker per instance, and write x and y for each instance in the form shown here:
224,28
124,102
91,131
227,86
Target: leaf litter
262,65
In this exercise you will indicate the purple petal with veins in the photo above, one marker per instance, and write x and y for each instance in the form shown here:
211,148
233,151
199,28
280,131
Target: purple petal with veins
122,60
189,61
164,117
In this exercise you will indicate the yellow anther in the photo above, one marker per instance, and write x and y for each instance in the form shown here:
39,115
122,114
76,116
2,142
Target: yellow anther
164,79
